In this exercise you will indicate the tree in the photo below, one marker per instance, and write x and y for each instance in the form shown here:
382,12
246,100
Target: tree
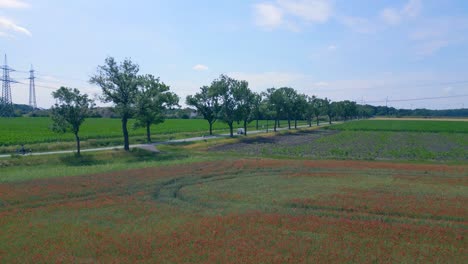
224,87
299,107
207,103
70,111
288,100
119,83
153,99
281,101
309,111
328,109
257,108
245,103
317,106
275,104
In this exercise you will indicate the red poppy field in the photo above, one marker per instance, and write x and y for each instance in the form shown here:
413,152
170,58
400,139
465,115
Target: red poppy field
241,211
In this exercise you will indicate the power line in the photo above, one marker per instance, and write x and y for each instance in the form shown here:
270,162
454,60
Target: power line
419,99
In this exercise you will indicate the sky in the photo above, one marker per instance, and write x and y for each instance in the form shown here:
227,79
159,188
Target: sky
368,51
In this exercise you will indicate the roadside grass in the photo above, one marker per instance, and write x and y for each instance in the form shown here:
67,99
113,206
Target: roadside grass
241,211
23,168
404,125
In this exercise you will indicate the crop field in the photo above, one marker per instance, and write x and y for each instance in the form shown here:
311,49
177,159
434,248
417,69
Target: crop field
406,125
307,196
364,140
368,145
15,131
241,211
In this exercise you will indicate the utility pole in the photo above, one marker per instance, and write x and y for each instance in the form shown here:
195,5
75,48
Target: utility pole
32,89
6,103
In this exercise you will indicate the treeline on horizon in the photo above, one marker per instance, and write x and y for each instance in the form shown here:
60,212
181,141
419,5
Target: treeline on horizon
184,113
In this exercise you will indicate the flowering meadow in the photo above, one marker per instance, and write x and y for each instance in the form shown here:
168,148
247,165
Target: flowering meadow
241,211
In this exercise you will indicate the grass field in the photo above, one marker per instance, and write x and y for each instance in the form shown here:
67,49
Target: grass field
241,211
262,199
405,125
14,131
368,145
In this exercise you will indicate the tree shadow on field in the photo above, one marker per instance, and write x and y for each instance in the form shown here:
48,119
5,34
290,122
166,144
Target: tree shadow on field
141,155
258,140
82,160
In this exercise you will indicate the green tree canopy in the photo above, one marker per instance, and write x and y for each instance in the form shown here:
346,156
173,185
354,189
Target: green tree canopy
153,99
69,112
119,84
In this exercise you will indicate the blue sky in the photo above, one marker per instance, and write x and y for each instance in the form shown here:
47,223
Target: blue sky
340,49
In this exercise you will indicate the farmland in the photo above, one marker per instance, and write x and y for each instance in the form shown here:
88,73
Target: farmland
406,125
307,196
36,132
367,139
245,210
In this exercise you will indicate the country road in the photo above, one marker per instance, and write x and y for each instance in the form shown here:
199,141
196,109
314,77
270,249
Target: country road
193,139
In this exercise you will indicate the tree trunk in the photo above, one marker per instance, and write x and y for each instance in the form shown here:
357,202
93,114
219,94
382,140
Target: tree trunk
78,149
231,129
148,132
245,127
125,133
295,123
276,122
256,125
289,123
211,128
329,119
318,121
310,122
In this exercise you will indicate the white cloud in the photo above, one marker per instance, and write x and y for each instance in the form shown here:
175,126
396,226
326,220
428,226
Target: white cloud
432,46
8,25
308,10
359,24
434,34
13,4
200,67
393,16
332,47
447,90
268,16
412,8
321,84
390,16
288,13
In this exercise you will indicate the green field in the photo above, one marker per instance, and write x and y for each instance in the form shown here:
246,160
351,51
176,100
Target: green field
405,125
260,199
357,145
14,131
240,211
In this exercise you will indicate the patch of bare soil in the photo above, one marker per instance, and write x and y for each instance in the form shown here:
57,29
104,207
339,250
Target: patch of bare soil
296,139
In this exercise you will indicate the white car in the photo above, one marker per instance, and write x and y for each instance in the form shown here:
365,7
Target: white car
240,131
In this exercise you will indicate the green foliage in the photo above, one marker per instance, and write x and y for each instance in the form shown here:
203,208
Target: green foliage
153,99
224,87
70,111
119,83
207,104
